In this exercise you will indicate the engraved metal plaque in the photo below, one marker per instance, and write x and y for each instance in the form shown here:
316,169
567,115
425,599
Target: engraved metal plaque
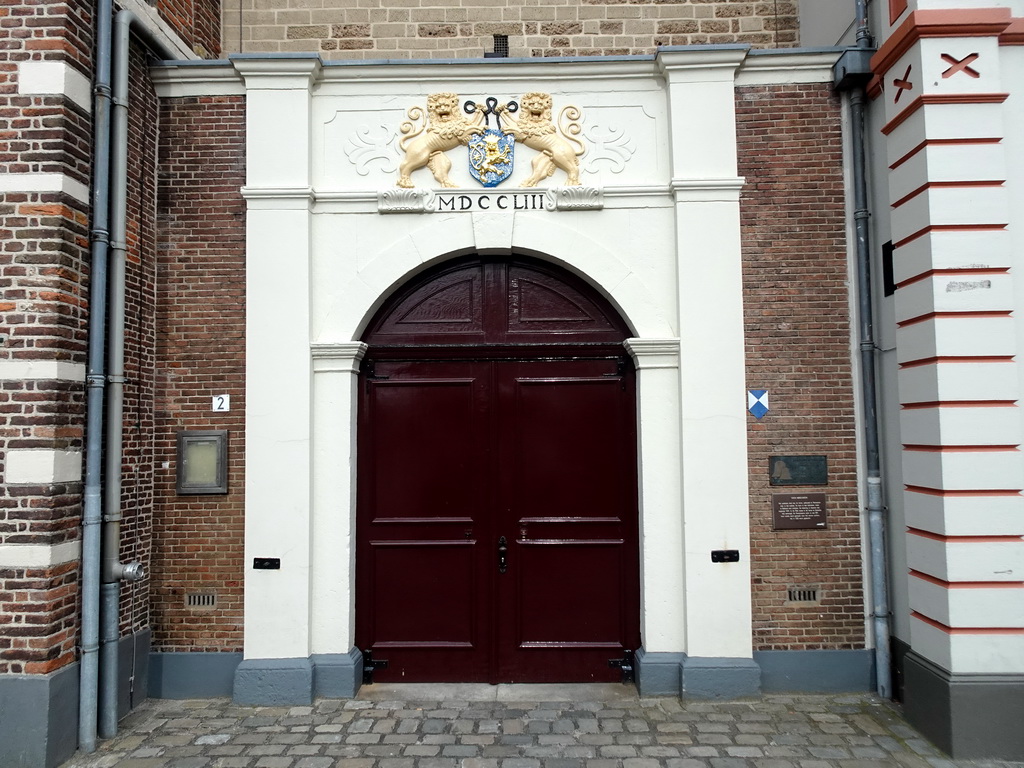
796,511
798,470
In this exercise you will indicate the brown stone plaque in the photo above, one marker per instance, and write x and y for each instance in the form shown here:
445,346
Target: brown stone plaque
794,511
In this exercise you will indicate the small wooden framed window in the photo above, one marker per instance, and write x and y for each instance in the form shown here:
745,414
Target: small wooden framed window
202,461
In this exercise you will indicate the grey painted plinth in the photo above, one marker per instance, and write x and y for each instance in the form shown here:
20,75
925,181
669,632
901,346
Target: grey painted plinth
337,675
38,718
714,678
132,670
968,716
256,681
816,671
192,675
274,682
657,674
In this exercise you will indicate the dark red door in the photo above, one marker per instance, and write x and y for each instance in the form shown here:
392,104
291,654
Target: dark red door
423,579
497,525
567,602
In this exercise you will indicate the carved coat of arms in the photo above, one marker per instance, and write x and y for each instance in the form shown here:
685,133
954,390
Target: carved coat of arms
491,152
426,140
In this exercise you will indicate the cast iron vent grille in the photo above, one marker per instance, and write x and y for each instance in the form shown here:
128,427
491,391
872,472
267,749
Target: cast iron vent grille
802,594
200,600
500,48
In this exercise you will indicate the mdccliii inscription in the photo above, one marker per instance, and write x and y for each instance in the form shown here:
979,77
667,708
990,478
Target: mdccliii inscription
426,139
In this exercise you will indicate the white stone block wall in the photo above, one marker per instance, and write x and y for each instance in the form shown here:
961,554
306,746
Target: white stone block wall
946,76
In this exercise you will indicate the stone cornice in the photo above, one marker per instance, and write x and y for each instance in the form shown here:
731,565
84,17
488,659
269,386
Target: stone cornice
293,198
458,71
207,78
698,62
750,67
283,72
787,66
708,190
342,357
653,353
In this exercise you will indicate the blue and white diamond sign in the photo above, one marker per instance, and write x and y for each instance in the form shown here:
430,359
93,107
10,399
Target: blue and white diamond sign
757,402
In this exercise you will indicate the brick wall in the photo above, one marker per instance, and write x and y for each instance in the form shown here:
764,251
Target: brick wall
43,261
798,347
198,540
38,618
140,339
424,29
197,22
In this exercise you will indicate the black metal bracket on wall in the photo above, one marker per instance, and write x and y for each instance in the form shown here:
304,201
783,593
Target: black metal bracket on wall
371,665
627,664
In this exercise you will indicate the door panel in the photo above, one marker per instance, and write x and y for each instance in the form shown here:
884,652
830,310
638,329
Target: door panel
428,429
566,456
423,498
454,455
568,492
562,615
420,571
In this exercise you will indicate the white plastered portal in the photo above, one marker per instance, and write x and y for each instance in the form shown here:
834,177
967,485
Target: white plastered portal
664,249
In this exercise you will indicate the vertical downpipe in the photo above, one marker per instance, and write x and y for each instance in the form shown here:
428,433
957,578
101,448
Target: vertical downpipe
111,588
875,507
101,534
95,384
113,570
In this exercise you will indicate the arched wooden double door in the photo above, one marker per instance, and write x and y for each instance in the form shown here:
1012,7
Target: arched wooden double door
497,514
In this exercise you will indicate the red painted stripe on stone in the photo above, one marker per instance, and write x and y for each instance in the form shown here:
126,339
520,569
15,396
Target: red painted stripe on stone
967,630
967,584
951,315
960,404
956,359
959,272
941,142
961,448
961,494
979,22
896,9
931,99
1014,34
946,185
965,539
950,228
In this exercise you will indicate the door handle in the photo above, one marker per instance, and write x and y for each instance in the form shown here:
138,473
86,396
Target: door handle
502,554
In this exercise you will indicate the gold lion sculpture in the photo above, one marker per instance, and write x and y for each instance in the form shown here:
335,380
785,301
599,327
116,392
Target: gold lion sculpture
445,128
557,147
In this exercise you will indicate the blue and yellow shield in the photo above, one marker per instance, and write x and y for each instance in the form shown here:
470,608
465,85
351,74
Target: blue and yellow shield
490,156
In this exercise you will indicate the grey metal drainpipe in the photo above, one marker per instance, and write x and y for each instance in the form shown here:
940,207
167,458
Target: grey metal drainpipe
852,73
95,382
113,570
103,561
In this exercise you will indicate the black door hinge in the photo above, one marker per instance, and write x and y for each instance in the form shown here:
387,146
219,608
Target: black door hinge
371,665
370,373
627,664
620,372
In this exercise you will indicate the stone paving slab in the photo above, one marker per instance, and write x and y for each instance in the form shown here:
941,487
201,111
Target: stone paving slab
522,726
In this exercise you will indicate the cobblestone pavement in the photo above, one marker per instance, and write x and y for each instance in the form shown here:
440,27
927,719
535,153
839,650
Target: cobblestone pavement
596,726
